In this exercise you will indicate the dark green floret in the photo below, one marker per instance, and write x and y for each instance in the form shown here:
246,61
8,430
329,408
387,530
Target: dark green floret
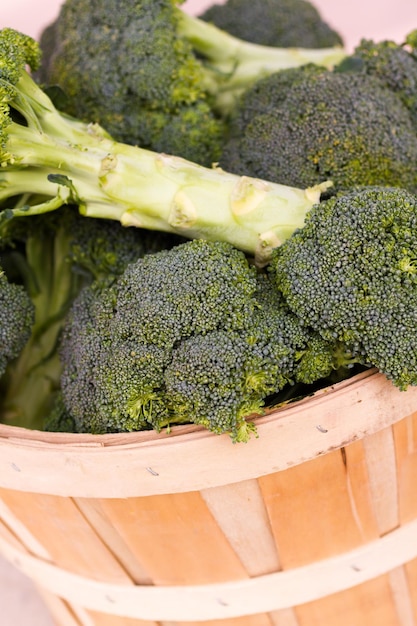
281,23
16,320
351,274
152,75
190,335
118,341
394,64
309,124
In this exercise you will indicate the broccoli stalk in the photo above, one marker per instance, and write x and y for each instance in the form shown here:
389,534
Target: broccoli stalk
232,65
28,385
70,162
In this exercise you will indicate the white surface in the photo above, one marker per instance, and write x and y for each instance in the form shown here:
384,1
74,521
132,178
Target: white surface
19,600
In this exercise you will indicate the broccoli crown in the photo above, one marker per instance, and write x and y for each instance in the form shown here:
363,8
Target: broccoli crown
102,249
350,273
122,65
312,125
393,64
16,320
283,23
118,341
193,334
194,288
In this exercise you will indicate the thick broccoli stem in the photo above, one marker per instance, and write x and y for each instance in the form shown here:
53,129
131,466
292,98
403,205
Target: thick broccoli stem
69,162
31,380
232,65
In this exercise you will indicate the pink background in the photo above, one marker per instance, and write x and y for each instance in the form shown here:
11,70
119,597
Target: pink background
354,19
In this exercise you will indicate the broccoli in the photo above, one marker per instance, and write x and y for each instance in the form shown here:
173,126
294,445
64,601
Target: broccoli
395,65
279,23
191,334
118,342
351,274
16,320
54,255
304,125
220,379
150,74
59,160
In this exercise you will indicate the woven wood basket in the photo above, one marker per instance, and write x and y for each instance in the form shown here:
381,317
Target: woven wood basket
314,523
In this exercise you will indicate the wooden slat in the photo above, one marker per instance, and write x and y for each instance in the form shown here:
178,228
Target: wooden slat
365,604
176,538
105,529
411,572
382,476
405,437
241,514
320,508
325,508
71,542
401,593
20,531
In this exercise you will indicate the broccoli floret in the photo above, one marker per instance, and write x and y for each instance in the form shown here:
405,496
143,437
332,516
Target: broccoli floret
149,74
16,320
206,384
194,334
52,160
54,255
305,125
109,380
280,23
351,274
138,78
395,65
118,341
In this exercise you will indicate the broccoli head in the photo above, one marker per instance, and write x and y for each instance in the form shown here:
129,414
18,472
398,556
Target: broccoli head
16,320
305,125
118,342
192,334
283,23
150,74
351,274
395,65
137,77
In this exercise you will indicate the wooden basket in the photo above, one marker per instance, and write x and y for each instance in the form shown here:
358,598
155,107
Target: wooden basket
314,523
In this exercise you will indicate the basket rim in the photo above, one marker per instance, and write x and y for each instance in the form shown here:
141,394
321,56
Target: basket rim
145,436
192,458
